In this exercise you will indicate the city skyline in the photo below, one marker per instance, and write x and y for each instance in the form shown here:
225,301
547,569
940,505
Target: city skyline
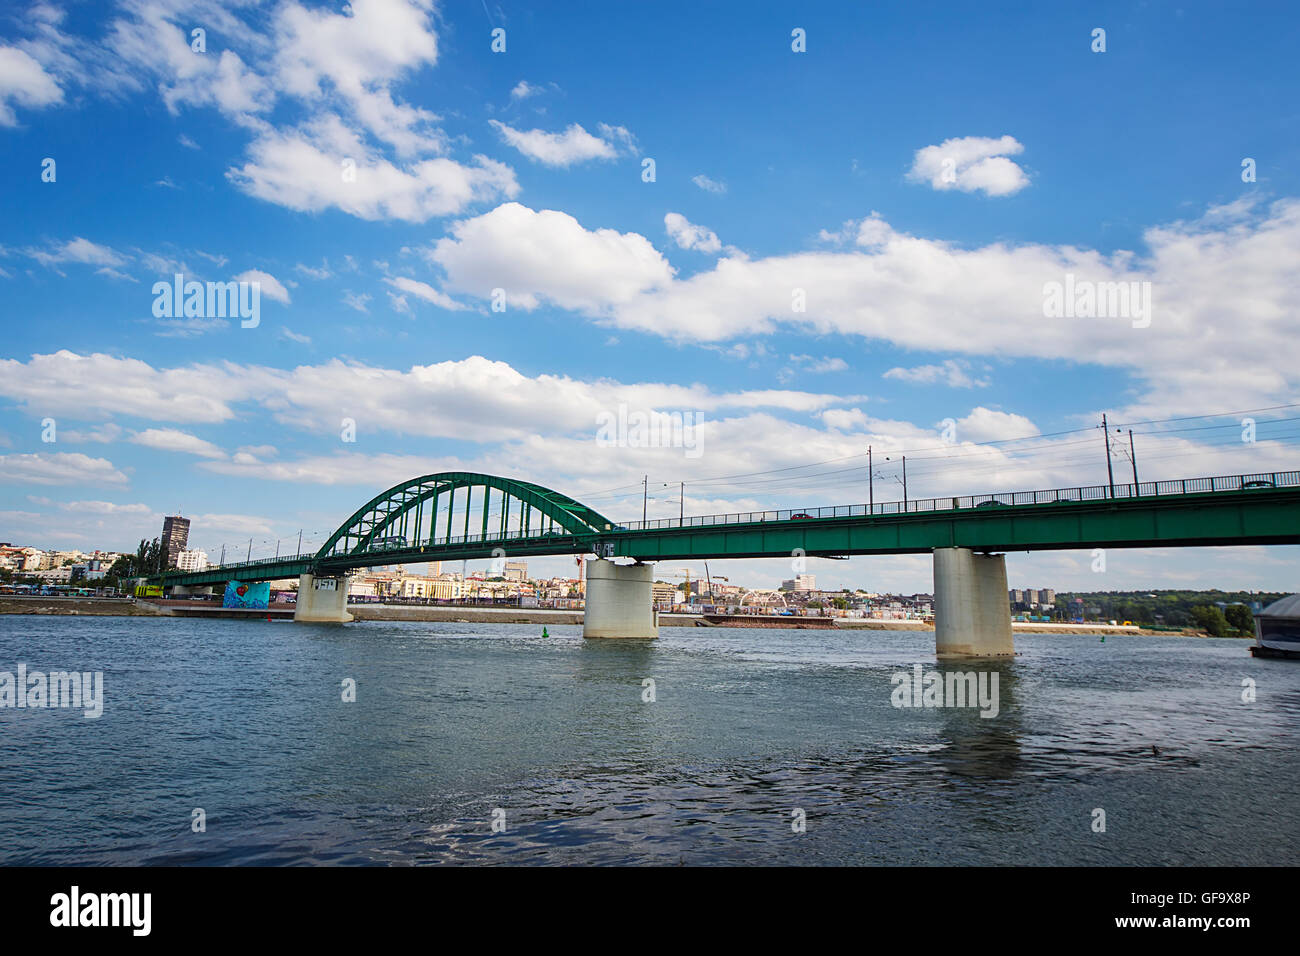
784,291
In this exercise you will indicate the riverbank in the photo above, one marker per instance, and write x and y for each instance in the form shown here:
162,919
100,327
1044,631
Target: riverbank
91,606
462,615
130,607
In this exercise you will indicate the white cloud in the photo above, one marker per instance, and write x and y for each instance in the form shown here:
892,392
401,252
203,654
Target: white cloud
355,300
690,236
171,439
59,468
970,164
422,290
23,82
709,185
270,286
322,273
548,255
335,72
1221,289
303,169
96,387
100,434
81,251
523,90
574,145
359,54
984,424
104,508
954,373
827,363
238,524
432,400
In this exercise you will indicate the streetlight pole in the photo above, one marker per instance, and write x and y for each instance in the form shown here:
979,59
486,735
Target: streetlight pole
645,497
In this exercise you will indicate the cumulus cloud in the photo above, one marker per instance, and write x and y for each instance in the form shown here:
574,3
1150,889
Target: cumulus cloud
548,255
709,185
503,402
954,373
574,145
426,292
171,439
270,286
971,164
339,70
81,251
24,82
59,468
1231,269
304,169
827,363
523,89
690,236
97,386
358,54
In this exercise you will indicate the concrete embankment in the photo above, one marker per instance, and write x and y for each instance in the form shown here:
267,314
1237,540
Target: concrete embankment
89,606
130,607
1022,627
466,615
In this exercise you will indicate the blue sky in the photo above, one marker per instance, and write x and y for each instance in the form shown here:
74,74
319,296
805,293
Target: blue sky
821,171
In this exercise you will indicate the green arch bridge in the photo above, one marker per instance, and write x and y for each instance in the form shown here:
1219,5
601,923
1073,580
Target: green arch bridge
465,515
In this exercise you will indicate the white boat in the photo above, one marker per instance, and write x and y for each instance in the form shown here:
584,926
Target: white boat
1277,629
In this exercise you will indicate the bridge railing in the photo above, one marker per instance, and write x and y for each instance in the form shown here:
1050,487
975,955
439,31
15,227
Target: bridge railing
256,562
458,539
1146,489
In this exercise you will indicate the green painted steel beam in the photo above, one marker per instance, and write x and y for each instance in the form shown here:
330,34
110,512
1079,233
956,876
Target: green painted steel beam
1264,516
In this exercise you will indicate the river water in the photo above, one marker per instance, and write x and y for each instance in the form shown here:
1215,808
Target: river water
759,747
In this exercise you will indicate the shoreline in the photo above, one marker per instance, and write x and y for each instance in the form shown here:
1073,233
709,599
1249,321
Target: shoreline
131,607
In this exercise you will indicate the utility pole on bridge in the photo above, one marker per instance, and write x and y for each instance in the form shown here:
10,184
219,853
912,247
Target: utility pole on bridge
871,491
1110,473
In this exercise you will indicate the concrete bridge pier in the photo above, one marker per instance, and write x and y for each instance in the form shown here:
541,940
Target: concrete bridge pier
322,600
620,601
972,615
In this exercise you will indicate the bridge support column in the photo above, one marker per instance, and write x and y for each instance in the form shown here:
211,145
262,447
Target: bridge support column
620,601
322,600
972,614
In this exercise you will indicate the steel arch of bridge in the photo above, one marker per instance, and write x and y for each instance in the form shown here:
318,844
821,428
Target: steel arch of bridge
402,512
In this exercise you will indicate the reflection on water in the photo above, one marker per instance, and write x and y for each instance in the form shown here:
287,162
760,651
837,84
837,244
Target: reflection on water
453,721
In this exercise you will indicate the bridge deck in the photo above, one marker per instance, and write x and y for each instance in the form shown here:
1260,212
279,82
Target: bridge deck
1195,512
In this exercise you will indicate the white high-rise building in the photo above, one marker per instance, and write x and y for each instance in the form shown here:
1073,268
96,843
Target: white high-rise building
192,561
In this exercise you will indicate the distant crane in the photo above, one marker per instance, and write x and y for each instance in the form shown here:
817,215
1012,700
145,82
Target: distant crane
681,572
